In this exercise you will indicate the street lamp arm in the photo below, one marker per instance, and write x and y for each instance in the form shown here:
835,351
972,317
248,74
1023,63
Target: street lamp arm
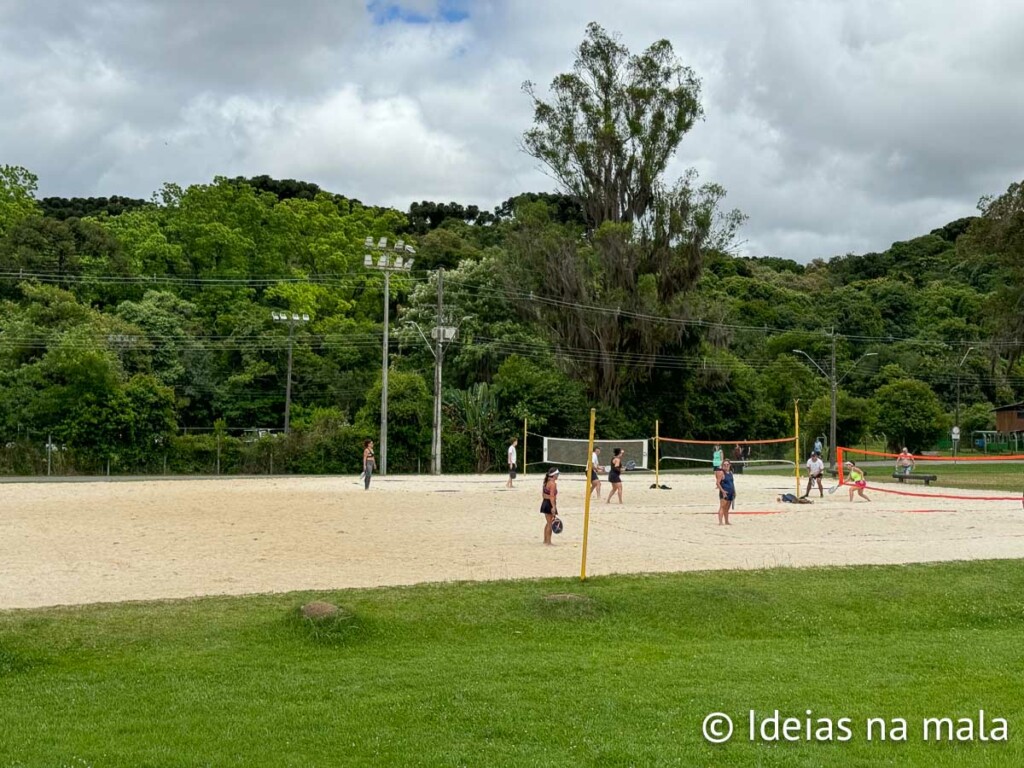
422,335
964,360
852,367
822,370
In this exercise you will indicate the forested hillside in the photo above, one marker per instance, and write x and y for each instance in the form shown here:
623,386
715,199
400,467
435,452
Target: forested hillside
143,334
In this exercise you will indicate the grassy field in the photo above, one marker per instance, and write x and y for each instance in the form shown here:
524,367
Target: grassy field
503,674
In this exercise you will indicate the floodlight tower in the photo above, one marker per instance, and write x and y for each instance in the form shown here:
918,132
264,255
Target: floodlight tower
292,319
388,260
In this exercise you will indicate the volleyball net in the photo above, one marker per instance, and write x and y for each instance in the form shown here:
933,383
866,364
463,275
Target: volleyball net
570,452
973,478
677,453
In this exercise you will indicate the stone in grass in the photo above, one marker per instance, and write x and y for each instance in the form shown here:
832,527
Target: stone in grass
567,597
318,610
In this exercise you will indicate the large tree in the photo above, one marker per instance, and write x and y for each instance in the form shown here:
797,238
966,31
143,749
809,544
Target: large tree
620,283
613,124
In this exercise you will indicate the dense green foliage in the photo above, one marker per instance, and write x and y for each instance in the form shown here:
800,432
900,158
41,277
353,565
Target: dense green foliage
127,337
129,329
500,674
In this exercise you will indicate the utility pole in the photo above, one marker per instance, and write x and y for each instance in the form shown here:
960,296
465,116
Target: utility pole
834,383
442,334
956,422
835,395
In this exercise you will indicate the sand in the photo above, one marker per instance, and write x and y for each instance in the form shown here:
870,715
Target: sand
83,542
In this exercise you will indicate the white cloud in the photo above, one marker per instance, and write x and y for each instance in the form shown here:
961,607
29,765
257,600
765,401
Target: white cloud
836,127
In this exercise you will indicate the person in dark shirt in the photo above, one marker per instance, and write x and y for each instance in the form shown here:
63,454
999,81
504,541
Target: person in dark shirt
726,492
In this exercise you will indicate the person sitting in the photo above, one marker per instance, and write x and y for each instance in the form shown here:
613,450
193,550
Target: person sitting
904,462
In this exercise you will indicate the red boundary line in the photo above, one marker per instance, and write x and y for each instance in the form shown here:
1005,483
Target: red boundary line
728,442
927,459
937,495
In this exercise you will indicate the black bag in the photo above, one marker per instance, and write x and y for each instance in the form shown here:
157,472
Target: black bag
512,473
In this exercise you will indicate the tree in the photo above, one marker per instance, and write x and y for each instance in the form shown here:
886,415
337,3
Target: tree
995,242
855,418
410,420
606,137
614,124
909,414
474,412
17,196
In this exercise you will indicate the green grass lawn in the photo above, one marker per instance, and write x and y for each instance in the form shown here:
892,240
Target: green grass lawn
495,674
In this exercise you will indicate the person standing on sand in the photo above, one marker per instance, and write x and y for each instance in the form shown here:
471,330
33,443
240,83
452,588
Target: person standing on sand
615,474
595,467
549,501
716,459
512,462
369,463
726,491
815,469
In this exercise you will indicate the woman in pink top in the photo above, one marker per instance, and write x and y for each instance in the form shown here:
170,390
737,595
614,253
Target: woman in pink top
549,503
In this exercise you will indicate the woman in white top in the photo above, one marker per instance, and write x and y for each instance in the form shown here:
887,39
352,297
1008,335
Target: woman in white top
512,462
815,469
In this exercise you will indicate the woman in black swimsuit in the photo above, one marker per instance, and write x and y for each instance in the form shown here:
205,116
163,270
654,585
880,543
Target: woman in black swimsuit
615,475
549,505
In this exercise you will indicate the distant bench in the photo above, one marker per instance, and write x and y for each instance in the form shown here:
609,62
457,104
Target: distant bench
926,479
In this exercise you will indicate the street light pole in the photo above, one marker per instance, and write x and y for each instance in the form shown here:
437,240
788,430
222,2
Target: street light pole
834,386
387,264
292,319
961,365
956,424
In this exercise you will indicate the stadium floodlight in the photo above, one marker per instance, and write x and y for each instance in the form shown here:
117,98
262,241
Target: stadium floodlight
292,319
387,265
369,241
834,387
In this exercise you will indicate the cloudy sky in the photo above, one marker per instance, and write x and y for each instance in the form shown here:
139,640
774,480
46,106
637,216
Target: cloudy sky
837,127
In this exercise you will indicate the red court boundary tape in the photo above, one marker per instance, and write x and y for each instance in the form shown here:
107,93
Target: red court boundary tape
937,495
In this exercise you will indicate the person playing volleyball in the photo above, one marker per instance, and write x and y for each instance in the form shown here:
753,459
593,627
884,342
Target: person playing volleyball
549,501
726,491
615,475
815,469
858,480
595,467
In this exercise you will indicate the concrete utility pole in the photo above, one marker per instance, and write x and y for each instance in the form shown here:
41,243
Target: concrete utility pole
442,334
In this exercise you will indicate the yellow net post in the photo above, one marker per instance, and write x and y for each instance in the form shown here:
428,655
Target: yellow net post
796,447
524,446
586,504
